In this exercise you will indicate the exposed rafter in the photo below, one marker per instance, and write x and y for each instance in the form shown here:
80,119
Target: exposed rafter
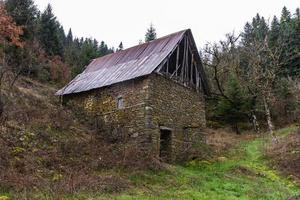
181,65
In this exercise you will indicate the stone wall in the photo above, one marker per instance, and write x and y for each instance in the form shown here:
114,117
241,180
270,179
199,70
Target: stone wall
102,104
150,103
179,109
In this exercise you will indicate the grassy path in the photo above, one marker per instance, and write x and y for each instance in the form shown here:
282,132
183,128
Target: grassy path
242,175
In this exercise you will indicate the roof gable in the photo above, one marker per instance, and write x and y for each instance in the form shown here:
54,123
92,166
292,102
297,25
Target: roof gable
137,61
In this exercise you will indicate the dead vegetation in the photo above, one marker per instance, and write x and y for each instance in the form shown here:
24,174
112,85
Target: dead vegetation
221,140
285,155
45,147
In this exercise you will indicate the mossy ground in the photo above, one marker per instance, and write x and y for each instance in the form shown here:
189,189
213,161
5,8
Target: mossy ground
243,175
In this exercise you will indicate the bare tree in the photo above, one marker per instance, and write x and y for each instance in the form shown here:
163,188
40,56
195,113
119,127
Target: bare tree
265,65
222,59
258,76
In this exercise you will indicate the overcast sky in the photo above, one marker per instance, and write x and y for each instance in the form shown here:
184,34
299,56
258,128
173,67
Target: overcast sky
127,20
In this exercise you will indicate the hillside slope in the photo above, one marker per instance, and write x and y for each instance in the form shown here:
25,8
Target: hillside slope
48,148
53,152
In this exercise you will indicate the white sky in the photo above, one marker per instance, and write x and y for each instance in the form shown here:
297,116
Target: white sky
127,20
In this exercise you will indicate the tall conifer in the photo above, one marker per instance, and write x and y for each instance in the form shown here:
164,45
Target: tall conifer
150,34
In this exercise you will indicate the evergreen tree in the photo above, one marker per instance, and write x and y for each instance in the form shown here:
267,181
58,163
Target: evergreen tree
61,35
263,29
51,34
247,35
150,34
104,50
256,21
88,51
231,110
24,14
297,14
289,39
260,28
294,45
69,39
274,32
285,28
285,15
120,47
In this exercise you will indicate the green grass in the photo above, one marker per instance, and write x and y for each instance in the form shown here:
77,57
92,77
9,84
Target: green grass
286,131
242,174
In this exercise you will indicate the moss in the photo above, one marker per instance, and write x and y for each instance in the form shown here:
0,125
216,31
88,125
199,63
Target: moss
18,150
4,198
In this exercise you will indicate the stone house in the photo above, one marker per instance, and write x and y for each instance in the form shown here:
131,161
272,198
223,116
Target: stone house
154,91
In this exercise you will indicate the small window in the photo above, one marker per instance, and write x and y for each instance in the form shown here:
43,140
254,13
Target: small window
120,103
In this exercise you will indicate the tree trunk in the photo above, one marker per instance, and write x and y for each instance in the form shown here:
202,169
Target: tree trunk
1,101
255,122
1,107
268,116
236,129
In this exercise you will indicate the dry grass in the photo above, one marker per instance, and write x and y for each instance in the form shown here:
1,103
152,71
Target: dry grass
285,154
45,147
221,140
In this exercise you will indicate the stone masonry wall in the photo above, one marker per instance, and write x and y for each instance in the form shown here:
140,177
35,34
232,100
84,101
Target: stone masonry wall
178,108
102,103
149,103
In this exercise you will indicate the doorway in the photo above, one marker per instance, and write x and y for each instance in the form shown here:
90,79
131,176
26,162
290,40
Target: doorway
165,145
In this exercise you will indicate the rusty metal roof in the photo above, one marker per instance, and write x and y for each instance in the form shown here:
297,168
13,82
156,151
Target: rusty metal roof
123,65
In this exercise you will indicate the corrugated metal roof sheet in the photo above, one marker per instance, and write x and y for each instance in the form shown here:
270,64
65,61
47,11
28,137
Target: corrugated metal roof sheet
123,65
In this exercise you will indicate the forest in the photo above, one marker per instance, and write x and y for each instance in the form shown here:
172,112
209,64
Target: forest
248,71
254,82
254,74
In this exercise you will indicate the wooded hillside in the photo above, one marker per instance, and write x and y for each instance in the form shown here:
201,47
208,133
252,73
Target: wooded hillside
50,151
254,74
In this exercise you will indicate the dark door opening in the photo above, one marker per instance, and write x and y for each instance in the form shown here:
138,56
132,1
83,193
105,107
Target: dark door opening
165,145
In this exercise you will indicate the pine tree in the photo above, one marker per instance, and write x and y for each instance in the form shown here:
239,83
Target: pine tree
294,45
232,109
50,33
274,32
61,35
285,25
297,14
263,29
24,14
289,39
259,28
89,50
69,39
247,35
256,21
150,34
285,15
120,47
103,49
9,35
